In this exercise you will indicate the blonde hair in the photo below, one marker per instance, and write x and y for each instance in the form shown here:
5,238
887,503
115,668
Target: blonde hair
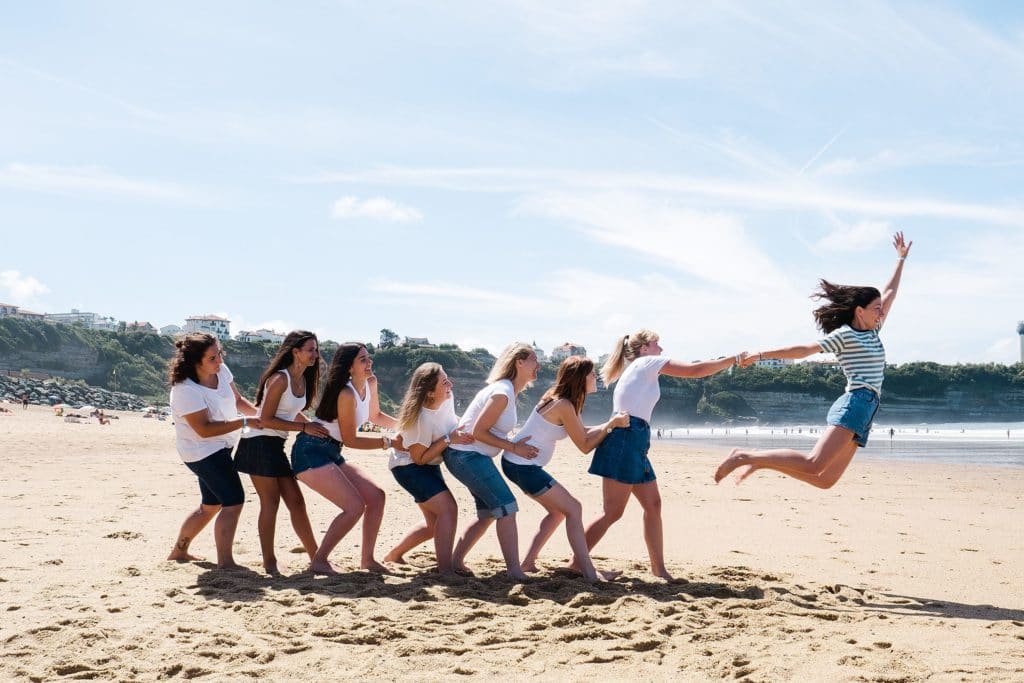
505,366
625,351
423,381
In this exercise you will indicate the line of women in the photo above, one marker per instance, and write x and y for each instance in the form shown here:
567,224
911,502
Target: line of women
212,419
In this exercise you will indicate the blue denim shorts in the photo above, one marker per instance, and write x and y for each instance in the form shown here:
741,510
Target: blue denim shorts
422,481
532,479
262,456
219,483
855,410
491,494
622,455
310,452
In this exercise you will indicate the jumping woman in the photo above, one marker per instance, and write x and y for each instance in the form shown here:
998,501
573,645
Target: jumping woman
850,320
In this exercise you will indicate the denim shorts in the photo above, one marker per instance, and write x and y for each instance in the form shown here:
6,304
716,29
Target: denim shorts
622,455
262,456
422,481
219,483
491,494
532,479
310,452
855,410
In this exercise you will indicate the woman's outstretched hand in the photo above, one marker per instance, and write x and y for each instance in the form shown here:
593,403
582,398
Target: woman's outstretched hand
902,247
747,359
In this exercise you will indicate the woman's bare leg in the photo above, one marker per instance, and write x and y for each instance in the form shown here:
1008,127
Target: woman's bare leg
190,528
473,533
331,483
293,499
822,467
421,533
508,539
650,500
374,498
440,515
615,496
224,534
561,505
270,499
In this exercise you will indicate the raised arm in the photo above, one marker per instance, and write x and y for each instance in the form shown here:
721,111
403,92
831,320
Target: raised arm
675,368
784,353
889,293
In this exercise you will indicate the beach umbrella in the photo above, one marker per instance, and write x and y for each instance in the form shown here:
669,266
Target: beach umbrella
88,408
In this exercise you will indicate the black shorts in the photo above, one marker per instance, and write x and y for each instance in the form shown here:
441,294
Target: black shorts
219,483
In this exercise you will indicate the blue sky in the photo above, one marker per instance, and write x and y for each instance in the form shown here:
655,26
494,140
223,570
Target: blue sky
488,172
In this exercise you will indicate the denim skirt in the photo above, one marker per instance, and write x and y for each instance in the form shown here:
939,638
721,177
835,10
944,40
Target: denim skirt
423,482
622,455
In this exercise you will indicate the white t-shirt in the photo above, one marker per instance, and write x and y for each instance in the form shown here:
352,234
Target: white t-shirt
638,390
430,426
501,428
189,397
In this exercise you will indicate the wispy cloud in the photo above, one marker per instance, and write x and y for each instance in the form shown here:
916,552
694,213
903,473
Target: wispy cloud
92,180
859,236
374,208
802,193
461,295
712,246
19,289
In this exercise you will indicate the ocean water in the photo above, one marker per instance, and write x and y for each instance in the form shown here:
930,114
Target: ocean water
979,443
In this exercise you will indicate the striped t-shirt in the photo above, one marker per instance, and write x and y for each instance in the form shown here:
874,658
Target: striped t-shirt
860,354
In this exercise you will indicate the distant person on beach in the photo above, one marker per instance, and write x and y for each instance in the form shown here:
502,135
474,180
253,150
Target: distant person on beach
206,406
427,424
24,401
851,320
349,401
556,416
287,387
635,363
490,418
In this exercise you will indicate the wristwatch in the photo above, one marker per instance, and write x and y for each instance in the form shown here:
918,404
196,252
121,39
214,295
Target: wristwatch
387,441
447,439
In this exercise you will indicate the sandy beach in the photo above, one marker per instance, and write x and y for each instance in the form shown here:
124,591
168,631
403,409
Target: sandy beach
902,572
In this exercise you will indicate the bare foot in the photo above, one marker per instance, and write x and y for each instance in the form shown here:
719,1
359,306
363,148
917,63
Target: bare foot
395,559
609,574
322,567
463,570
182,556
376,567
271,568
530,567
230,565
517,576
736,458
663,574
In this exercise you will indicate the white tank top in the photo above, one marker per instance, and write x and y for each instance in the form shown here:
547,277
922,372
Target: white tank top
362,404
544,435
288,408
362,412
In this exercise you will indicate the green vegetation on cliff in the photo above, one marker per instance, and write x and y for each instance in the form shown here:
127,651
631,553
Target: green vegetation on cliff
136,362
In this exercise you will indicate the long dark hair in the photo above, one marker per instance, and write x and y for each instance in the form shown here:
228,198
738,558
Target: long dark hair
284,358
338,376
188,352
570,383
843,301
